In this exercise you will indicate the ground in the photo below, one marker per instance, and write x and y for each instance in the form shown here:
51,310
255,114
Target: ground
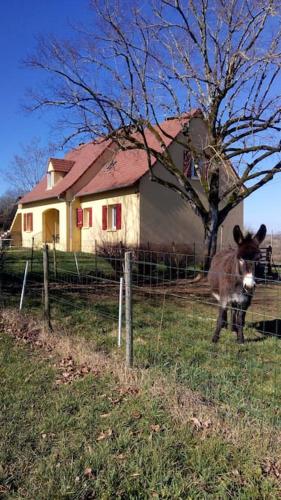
191,420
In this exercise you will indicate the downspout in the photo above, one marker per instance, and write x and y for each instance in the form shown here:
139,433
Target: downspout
70,225
69,232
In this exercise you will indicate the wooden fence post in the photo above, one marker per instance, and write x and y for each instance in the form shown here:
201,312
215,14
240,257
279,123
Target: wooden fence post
128,309
47,316
55,257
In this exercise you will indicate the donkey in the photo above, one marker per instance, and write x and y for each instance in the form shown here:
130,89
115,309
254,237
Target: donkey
232,280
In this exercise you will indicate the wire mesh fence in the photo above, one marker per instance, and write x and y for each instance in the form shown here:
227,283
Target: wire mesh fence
173,320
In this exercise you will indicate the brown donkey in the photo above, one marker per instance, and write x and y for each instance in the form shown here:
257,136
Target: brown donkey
231,278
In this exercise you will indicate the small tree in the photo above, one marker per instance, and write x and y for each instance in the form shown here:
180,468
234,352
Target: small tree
136,65
27,169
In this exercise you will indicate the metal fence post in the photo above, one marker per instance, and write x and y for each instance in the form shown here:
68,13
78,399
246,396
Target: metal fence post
128,309
76,264
23,284
47,315
32,254
120,312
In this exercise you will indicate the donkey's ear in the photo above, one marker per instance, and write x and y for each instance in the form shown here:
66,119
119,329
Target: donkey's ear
259,237
237,235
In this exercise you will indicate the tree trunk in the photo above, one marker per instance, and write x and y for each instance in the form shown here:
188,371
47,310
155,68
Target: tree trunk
210,237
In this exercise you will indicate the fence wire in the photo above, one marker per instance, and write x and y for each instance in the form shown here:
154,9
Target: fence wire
174,317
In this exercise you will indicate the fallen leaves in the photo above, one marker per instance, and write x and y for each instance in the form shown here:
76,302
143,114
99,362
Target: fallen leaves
72,371
88,472
105,435
200,424
272,468
155,428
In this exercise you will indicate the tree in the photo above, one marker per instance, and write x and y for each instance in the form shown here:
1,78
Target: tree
135,65
8,207
27,169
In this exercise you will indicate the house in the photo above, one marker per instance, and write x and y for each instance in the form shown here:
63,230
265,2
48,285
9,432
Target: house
99,194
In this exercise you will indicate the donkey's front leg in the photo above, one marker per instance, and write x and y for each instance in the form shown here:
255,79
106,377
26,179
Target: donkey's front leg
220,321
234,318
241,313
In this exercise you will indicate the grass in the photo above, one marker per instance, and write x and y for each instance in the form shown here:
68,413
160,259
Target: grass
52,442
161,444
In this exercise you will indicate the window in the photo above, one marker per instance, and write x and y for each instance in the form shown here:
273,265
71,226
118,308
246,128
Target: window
193,172
49,180
79,217
112,217
189,164
28,222
87,217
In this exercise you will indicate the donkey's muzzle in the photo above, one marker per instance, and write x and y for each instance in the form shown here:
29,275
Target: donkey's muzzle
249,281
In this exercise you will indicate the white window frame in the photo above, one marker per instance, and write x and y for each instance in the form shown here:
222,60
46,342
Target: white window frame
112,217
86,217
50,180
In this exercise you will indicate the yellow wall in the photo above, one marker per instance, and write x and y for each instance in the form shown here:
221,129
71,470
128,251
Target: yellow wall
129,232
37,211
166,218
150,214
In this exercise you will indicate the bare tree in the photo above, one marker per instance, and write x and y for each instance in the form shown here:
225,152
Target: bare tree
27,168
135,65
8,207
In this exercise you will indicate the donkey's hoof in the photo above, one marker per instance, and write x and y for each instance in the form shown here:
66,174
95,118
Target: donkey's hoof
215,340
240,341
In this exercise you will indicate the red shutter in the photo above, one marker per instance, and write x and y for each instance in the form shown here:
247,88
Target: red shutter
31,221
104,217
118,216
79,217
24,222
90,217
187,163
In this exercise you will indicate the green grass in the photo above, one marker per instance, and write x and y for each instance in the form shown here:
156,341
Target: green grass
242,384
49,436
174,337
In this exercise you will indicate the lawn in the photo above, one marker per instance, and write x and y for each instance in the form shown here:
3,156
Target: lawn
194,420
105,437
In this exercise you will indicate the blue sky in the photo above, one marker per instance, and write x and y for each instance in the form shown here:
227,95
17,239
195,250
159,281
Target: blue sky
21,21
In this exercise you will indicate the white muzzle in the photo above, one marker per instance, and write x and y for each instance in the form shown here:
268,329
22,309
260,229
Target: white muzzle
248,281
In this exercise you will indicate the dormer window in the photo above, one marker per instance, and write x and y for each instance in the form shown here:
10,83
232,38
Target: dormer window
57,170
49,180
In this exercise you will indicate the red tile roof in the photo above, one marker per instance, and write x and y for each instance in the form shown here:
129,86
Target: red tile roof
82,158
127,167
61,165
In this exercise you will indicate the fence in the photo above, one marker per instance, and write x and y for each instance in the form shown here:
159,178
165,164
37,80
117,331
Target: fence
171,320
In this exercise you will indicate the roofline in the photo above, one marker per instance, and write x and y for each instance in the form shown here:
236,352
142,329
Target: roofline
69,187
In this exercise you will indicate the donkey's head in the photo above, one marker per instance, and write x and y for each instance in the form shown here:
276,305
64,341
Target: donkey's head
248,253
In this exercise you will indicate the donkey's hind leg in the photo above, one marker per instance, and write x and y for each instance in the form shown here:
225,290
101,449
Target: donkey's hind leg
220,321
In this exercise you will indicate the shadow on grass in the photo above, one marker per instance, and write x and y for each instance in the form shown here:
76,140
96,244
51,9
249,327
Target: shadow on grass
268,328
